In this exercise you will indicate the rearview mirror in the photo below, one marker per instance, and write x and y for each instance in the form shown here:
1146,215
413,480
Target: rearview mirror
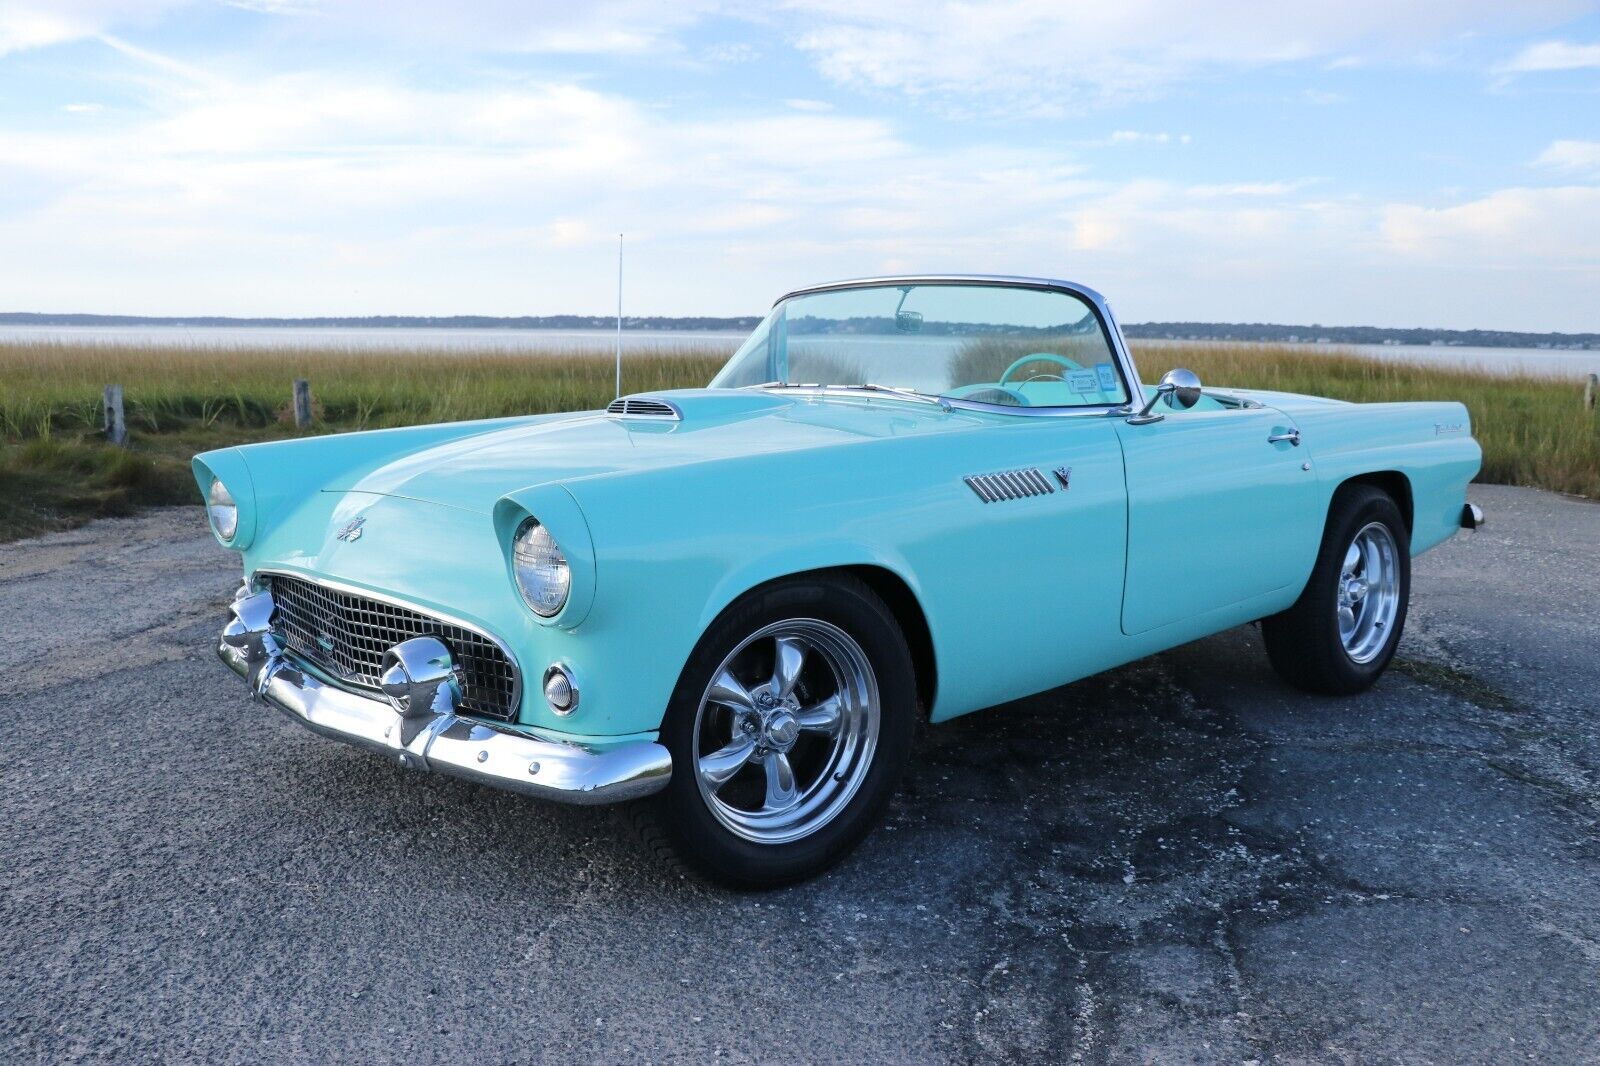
908,321
1180,389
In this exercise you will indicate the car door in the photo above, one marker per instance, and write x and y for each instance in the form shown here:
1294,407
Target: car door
1222,508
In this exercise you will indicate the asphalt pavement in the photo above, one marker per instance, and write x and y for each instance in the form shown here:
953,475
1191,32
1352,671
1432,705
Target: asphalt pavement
1179,861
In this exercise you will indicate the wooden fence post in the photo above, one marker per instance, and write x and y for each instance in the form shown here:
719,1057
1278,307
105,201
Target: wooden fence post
116,424
302,402
1591,391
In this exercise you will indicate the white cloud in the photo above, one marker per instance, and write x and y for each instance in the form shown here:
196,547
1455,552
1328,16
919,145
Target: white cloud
1137,136
549,26
298,177
318,193
348,192
594,27
28,24
278,7
1248,188
1045,57
1510,228
1575,157
1553,55
731,52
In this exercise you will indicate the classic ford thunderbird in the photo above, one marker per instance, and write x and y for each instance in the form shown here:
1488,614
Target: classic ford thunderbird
902,498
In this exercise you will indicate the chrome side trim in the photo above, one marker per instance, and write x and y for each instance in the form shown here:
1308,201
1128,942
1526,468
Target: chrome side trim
438,741
1096,302
1227,399
1009,485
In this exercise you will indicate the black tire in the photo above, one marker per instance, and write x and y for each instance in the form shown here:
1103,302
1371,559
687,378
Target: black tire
679,824
1304,643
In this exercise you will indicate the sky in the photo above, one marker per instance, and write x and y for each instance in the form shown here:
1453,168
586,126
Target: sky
1405,163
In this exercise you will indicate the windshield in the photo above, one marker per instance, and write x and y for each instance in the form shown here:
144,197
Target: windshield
998,344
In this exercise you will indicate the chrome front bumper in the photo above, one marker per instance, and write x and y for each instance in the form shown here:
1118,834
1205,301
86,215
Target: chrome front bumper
419,729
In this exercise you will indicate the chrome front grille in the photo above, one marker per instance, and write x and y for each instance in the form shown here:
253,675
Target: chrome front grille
345,635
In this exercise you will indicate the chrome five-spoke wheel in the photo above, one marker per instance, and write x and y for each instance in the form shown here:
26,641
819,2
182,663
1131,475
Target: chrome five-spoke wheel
786,730
1369,592
789,726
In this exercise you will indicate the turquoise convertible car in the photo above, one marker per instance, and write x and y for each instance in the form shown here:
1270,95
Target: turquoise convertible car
902,498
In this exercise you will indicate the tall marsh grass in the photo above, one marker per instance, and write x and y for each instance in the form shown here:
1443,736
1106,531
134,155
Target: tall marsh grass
54,471
52,387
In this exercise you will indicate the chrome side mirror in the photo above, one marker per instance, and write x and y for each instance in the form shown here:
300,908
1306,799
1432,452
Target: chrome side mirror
1180,388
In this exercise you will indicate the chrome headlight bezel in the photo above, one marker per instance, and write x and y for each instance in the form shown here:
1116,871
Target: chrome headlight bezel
222,511
541,570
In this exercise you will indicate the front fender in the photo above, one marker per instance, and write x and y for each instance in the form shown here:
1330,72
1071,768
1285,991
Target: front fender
829,554
673,547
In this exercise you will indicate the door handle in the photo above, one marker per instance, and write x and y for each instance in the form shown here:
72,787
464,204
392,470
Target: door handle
1292,436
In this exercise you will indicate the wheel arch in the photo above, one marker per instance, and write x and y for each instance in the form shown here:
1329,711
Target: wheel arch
897,594
907,610
1392,482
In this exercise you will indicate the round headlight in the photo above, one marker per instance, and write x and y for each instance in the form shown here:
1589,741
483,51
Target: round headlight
223,511
542,572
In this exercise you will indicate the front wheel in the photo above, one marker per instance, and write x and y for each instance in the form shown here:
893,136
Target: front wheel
1339,636
789,726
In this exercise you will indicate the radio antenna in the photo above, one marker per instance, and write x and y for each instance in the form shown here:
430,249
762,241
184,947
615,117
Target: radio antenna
619,317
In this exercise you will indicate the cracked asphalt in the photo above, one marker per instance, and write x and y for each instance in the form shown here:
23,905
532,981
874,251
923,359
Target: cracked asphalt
1180,861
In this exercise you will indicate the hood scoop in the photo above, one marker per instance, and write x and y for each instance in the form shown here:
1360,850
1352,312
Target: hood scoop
698,407
650,407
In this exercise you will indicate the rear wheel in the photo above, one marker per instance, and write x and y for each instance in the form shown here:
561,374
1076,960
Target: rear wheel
788,729
1342,632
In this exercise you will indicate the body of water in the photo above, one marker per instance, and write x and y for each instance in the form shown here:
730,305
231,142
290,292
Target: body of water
359,338
1556,363
1542,361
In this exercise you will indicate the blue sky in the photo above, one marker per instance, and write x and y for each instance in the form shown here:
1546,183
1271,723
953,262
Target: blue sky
1399,163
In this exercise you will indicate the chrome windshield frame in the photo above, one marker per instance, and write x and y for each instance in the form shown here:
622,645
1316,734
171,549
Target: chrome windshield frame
1097,306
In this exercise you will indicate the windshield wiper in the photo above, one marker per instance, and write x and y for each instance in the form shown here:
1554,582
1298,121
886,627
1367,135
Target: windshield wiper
891,390
907,394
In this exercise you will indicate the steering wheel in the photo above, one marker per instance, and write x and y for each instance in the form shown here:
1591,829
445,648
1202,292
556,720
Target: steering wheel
1048,357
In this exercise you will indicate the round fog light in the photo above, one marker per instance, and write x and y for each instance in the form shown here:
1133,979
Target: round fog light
560,690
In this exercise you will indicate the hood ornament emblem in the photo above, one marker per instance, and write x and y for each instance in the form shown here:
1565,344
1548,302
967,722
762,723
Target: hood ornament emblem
350,532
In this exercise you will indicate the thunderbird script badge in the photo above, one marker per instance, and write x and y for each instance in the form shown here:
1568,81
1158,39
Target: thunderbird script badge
350,532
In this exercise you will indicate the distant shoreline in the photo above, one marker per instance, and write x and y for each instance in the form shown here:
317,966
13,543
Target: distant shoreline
1192,331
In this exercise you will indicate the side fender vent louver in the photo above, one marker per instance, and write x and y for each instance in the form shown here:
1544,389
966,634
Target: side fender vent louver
644,407
1009,485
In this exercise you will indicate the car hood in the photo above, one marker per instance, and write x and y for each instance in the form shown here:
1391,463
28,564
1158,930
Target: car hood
475,471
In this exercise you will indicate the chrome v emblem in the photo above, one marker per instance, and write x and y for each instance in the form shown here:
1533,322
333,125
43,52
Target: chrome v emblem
350,532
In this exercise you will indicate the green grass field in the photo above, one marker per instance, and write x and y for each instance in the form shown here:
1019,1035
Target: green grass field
56,471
